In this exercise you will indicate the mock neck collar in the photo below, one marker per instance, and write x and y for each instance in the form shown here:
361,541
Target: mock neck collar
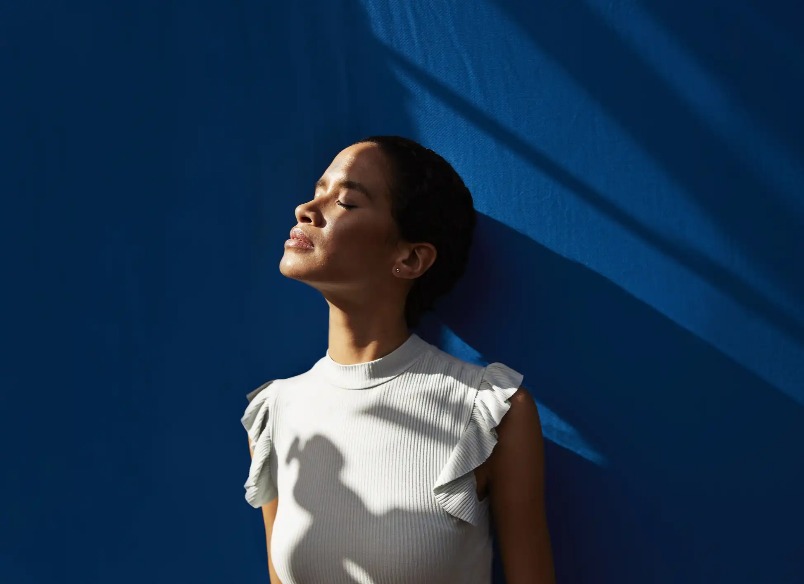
372,373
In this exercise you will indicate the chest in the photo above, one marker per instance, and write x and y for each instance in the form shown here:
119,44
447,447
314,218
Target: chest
389,446
342,540
355,478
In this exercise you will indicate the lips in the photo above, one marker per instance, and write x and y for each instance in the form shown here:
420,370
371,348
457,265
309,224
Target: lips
297,233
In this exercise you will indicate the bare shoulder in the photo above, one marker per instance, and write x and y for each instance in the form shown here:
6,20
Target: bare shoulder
523,399
522,421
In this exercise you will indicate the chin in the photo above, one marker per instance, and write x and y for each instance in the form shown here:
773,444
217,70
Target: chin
295,268
289,271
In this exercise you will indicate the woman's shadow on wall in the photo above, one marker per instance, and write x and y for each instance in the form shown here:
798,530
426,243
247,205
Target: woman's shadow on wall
699,465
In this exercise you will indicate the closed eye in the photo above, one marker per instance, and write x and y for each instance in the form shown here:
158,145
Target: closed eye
346,206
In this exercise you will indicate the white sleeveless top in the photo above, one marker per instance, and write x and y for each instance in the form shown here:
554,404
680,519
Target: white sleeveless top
373,466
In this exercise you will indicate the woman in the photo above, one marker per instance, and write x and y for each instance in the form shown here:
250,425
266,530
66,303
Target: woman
392,459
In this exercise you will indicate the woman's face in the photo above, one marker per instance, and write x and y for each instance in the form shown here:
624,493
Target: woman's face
349,224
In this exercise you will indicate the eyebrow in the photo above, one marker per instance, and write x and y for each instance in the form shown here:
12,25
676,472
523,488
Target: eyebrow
348,184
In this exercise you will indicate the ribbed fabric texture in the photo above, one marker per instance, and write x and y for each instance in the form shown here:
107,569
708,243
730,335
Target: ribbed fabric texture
373,466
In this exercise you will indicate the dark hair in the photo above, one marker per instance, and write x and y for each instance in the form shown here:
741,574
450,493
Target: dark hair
430,203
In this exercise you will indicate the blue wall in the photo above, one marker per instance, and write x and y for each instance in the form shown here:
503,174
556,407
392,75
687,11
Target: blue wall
638,167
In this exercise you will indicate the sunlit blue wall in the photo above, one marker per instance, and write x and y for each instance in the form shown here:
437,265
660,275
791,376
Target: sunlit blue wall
639,171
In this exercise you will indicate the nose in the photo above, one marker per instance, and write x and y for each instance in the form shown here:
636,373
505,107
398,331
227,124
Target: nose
306,212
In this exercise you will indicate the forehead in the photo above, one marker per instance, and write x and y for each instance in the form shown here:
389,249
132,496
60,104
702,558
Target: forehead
364,163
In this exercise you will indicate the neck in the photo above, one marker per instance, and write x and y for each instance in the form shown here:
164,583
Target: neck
358,334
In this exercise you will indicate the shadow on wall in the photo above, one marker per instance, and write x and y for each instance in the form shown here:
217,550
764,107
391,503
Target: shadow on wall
725,175
700,470
743,199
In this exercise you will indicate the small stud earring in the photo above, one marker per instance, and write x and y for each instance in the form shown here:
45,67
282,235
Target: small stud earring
397,270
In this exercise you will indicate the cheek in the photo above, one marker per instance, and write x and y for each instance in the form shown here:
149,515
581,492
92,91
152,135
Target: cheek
368,242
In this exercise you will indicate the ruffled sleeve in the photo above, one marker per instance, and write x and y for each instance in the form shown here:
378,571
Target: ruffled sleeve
456,488
261,485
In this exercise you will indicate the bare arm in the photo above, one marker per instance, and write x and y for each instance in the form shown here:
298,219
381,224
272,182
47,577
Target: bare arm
268,515
516,488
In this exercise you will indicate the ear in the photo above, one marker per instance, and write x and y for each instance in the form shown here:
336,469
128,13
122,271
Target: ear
417,260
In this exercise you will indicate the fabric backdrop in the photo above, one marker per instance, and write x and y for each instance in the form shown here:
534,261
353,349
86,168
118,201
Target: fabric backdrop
637,168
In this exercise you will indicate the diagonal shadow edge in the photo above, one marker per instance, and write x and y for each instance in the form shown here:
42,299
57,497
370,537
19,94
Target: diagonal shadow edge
451,313
664,125
738,288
